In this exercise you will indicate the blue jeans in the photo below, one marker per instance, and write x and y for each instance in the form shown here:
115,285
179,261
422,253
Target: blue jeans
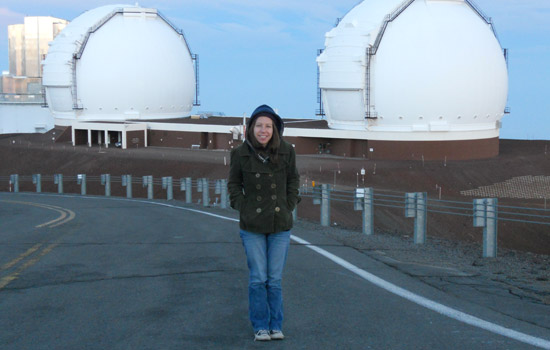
266,257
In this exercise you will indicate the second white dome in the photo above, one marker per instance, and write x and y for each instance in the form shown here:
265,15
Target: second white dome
437,68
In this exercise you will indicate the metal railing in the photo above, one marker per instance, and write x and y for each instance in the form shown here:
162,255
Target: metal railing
484,212
150,183
320,111
195,58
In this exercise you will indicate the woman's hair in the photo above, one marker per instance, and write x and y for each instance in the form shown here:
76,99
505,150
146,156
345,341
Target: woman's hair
272,147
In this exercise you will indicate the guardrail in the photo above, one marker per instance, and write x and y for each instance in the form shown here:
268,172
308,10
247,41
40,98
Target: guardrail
201,185
485,212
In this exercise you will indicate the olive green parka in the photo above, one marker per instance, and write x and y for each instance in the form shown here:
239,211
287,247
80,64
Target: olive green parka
265,194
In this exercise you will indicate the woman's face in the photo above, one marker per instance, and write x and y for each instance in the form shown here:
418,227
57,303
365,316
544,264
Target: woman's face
263,130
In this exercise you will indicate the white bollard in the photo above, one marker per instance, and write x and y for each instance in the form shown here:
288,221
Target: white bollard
416,206
58,180
127,182
148,182
486,216
106,181
205,193
368,211
325,205
223,194
167,184
81,180
37,180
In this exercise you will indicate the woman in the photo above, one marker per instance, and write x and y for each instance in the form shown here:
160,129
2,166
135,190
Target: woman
263,186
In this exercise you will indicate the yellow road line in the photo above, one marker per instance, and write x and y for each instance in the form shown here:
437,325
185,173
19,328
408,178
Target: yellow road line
40,255
65,216
52,223
71,216
61,217
4,281
20,257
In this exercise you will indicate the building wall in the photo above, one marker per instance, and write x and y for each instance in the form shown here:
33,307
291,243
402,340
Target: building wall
38,32
220,137
20,86
199,140
338,147
220,141
20,90
161,138
24,118
135,139
28,45
434,150
16,49
368,149
8,85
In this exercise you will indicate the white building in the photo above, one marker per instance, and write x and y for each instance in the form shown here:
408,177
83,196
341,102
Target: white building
117,63
415,70
21,97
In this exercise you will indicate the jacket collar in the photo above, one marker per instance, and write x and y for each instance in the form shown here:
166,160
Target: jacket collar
248,150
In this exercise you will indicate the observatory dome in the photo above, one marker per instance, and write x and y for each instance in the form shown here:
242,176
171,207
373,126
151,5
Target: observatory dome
415,70
119,62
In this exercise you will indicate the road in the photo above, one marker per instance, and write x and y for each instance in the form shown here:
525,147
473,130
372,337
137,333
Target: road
110,273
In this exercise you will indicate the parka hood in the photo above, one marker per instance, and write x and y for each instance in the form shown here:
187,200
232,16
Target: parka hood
266,111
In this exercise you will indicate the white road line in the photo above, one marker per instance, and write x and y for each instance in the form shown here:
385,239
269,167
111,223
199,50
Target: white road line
430,304
390,287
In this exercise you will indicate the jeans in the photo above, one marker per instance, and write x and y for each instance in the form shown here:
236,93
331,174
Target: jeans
266,257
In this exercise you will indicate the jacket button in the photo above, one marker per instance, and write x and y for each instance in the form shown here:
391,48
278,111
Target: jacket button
259,210
277,209
273,185
258,186
274,197
257,174
259,198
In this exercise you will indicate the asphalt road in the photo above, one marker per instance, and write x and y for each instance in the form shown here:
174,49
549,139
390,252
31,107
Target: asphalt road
109,273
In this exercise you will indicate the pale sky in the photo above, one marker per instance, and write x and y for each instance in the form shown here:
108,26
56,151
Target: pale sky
254,52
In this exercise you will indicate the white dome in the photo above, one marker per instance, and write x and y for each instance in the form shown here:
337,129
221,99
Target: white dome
438,73
119,62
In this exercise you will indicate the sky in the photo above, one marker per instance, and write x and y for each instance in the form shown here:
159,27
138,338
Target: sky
254,52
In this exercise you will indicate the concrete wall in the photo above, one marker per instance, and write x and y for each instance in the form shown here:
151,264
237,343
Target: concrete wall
24,118
434,150
369,149
200,140
337,147
135,139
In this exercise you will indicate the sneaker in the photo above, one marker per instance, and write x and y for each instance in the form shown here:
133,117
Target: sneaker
276,335
262,335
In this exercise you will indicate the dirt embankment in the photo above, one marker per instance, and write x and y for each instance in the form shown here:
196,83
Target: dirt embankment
31,154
